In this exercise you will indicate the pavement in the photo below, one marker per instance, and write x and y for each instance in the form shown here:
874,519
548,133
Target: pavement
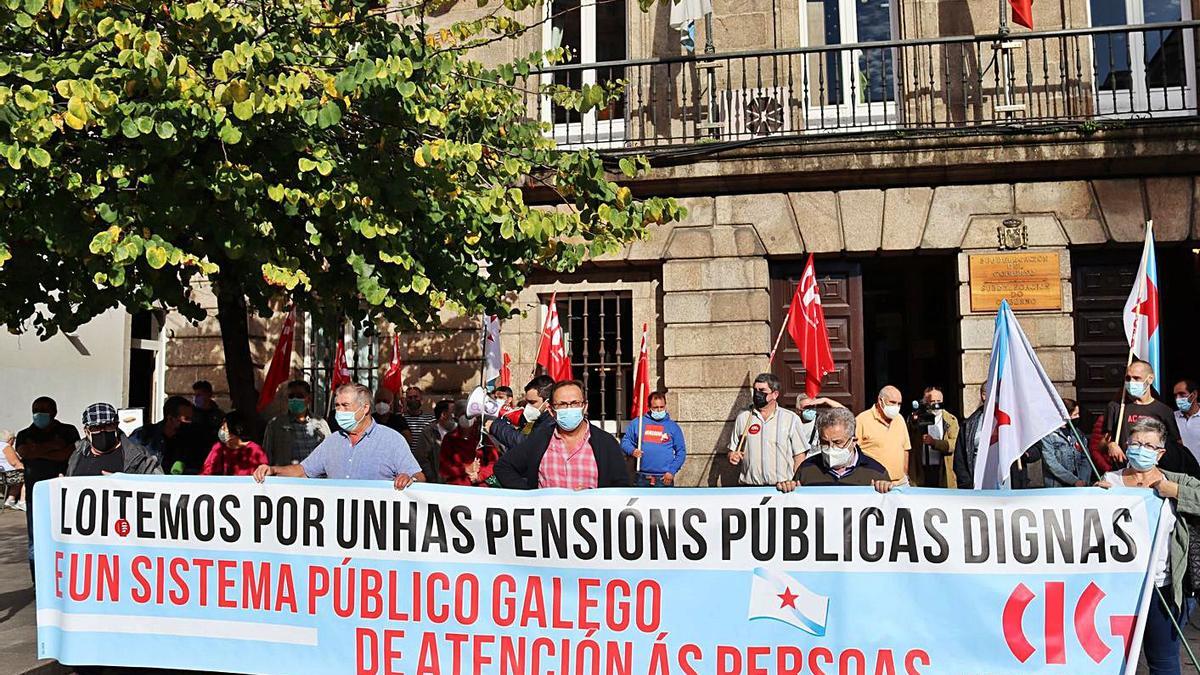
18,613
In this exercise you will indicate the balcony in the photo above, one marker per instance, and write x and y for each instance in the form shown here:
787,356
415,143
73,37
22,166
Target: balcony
1022,81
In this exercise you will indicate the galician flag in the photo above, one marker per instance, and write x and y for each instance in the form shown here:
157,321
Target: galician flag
775,595
1021,408
493,356
1141,310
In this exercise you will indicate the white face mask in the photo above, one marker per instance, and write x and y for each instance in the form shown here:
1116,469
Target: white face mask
383,408
891,411
836,457
531,412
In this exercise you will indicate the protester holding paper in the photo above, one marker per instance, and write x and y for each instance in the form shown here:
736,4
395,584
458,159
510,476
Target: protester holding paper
361,449
1146,447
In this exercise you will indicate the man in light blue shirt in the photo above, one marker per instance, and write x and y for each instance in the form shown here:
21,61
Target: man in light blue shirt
359,450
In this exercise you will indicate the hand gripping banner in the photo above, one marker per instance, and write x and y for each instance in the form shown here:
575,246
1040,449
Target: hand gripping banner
306,576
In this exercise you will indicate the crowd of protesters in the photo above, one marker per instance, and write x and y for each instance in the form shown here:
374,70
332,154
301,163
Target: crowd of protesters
544,439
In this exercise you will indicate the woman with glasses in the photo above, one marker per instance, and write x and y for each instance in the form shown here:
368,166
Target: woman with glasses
1169,606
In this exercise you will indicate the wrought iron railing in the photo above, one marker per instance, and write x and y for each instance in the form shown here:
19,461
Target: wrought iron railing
1020,80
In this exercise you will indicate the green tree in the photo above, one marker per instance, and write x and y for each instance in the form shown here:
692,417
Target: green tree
339,153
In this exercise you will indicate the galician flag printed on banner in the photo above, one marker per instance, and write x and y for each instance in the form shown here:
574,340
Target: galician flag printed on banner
1021,407
1141,310
493,356
775,595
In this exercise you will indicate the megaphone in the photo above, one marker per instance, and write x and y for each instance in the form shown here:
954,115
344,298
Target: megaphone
481,403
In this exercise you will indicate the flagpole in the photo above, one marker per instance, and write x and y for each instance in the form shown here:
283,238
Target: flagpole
1140,286
541,338
641,423
775,347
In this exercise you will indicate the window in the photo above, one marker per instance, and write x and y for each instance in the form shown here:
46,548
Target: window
362,357
845,85
1144,71
598,331
593,31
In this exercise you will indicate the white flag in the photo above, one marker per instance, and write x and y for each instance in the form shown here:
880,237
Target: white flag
1022,406
493,356
775,595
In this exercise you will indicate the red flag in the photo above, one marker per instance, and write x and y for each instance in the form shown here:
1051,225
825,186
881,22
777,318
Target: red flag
393,378
806,325
505,373
341,371
281,363
552,354
1022,12
641,379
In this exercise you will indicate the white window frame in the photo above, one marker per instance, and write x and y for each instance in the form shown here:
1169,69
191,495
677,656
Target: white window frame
853,114
1158,102
591,131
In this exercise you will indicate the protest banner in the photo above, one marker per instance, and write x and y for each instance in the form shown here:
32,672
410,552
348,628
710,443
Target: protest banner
307,576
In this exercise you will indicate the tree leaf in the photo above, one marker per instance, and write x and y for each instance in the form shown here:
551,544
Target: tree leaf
330,114
165,130
243,110
230,134
156,256
39,157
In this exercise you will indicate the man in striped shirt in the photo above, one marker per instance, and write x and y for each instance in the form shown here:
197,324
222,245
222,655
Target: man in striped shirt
417,420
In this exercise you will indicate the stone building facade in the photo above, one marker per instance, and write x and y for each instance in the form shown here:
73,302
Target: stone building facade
893,183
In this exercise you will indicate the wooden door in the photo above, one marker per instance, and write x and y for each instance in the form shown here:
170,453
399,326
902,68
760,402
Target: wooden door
1101,283
841,297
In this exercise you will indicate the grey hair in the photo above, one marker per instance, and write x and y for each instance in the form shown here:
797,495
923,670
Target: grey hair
362,394
768,379
836,417
802,396
1149,425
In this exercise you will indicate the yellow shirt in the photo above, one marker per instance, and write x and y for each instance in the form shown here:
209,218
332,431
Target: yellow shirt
886,442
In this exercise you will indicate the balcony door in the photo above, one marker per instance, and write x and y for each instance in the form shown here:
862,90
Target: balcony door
592,32
848,87
1145,72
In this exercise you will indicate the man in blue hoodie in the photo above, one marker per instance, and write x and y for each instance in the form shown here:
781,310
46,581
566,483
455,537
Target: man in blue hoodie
663,450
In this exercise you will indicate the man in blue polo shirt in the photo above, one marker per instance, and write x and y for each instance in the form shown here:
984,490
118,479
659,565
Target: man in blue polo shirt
361,449
663,450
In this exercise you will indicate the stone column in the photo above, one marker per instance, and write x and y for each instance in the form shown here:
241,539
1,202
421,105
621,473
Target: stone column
716,314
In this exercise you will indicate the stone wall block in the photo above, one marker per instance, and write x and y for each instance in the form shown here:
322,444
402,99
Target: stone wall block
1043,330
714,242
817,216
1170,200
1122,209
708,404
862,219
653,246
1042,230
702,211
715,274
771,216
953,204
710,306
713,371
716,339
1059,363
904,214
1069,199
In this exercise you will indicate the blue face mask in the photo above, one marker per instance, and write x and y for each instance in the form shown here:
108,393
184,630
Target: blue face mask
1141,458
658,415
42,420
1184,404
808,415
568,419
1135,389
346,419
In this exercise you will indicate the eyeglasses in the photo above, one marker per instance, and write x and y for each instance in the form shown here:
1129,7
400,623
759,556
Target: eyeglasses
112,426
849,442
564,405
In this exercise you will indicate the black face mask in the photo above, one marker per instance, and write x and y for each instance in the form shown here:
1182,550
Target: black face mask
760,399
104,441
